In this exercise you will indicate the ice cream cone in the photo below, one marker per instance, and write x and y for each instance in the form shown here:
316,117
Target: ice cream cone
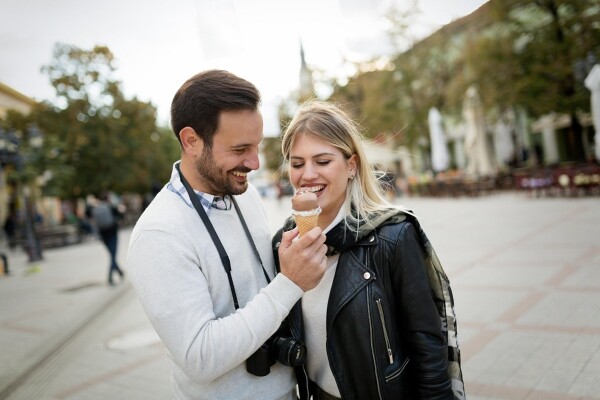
305,210
306,223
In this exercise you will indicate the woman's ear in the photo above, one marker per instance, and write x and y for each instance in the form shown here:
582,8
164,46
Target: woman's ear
352,165
192,143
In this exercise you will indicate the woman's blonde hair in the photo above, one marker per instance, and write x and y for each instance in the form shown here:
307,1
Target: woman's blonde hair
331,124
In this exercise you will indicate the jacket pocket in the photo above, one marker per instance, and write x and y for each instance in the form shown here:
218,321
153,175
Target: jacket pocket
395,368
394,372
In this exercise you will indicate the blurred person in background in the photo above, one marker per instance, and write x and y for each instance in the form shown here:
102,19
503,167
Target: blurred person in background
106,217
11,225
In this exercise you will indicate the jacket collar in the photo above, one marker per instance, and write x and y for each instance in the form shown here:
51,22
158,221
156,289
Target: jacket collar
356,272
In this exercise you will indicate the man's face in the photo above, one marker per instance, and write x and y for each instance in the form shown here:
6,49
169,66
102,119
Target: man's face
223,169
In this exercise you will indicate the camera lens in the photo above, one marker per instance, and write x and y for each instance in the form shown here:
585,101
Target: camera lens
289,351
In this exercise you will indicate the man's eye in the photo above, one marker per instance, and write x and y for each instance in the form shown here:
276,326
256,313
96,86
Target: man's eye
239,151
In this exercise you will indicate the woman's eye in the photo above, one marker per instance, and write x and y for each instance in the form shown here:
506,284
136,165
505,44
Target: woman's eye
323,162
297,165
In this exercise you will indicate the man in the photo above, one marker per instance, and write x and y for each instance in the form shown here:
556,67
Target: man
210,319
106,218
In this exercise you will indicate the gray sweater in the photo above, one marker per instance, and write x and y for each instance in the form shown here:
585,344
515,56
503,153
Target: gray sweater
179,278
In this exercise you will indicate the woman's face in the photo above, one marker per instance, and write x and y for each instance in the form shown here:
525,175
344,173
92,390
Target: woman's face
322,169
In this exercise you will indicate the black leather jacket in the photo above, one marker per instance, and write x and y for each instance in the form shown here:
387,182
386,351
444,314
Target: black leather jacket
381,346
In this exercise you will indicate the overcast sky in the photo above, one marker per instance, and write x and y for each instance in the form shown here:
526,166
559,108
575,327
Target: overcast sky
159,43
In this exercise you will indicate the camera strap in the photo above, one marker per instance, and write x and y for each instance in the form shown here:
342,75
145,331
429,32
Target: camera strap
215,237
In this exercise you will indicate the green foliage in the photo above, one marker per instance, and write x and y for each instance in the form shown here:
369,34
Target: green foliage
519,53
395,102
400,20
529,56
95,139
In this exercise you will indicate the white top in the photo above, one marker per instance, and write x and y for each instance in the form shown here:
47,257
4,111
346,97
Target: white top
314,312
179,278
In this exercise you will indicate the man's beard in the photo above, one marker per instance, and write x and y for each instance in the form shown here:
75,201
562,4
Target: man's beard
218,181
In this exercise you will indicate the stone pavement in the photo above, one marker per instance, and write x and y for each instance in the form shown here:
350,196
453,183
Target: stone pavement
526,278
44,305
525,274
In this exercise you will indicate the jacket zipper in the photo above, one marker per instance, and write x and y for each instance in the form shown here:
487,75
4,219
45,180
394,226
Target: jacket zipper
372,344
385,334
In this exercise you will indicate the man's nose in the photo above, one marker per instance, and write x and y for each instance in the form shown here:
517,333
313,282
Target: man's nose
252,161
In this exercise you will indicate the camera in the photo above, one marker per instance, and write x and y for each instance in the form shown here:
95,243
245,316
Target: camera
285,350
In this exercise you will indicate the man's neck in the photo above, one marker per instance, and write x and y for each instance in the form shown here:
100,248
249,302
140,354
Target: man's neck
189,171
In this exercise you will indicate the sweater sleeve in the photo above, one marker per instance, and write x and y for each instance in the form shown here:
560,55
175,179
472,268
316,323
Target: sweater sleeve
175,295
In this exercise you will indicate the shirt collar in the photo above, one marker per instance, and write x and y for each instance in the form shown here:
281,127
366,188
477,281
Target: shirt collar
207,200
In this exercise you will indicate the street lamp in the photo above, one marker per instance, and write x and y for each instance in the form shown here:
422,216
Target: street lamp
9,154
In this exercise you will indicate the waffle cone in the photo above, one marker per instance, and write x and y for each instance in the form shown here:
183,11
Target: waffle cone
305,224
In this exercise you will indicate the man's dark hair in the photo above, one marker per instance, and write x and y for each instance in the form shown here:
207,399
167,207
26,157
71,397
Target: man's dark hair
201,99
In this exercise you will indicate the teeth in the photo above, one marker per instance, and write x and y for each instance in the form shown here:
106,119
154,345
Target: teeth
242,174
312,188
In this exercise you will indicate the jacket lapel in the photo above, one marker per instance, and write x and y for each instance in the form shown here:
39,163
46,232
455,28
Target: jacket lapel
351,276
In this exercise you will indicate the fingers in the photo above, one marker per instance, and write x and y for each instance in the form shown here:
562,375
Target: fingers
313,238
312,246
287,237
303,260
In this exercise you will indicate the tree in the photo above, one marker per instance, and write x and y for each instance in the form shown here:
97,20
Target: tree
95,138
529,56
534,56
394,100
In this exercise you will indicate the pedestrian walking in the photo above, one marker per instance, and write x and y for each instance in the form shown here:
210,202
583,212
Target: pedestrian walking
106,217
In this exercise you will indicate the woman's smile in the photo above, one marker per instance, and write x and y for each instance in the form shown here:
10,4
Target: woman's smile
321,168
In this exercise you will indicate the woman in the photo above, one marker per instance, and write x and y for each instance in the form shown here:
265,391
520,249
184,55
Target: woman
380,336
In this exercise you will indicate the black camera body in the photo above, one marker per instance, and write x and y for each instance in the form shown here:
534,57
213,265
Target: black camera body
278,348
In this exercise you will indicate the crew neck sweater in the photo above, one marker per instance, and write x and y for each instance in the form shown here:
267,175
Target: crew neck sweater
179,278
314,312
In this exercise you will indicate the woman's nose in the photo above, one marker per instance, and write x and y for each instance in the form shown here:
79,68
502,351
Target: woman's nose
309,172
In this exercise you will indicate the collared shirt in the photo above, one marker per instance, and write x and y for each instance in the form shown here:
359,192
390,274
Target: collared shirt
207,200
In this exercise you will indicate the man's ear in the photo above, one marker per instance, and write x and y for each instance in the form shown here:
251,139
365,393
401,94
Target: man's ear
192,143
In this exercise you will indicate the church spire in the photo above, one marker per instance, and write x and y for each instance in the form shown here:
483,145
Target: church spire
306,81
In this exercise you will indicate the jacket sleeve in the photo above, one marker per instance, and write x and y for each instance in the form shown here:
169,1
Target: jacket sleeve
418,318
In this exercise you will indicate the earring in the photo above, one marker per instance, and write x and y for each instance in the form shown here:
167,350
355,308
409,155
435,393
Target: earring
351,176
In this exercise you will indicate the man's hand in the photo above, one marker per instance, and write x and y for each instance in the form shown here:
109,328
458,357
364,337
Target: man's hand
303,260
